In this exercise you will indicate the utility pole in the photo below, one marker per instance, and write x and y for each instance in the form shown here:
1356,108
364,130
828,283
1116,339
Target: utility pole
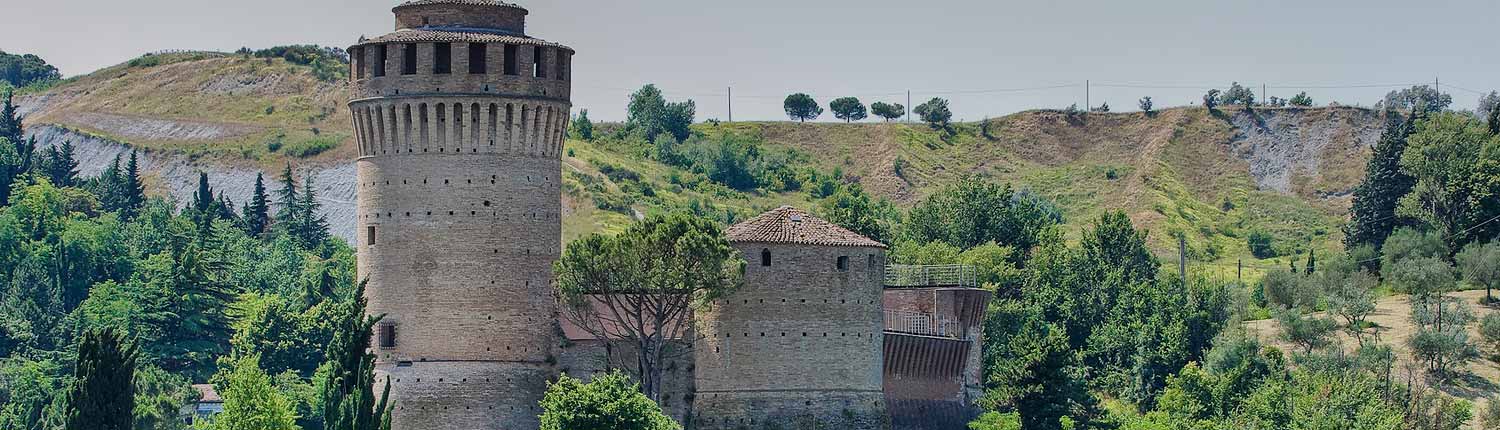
908,106
1239,272
729,100
1264,98
1087,104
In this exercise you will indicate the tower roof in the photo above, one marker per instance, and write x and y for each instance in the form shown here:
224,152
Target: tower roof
459,2
787,224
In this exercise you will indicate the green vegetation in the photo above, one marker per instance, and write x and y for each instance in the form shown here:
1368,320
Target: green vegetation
608,401
26,71
888,111
935,113
848,109
801,107
103,393
1301,100
646,278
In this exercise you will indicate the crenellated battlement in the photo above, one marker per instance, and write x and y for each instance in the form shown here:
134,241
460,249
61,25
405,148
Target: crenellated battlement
467,14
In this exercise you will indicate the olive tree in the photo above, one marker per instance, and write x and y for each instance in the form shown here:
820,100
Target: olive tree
1480,266
641,286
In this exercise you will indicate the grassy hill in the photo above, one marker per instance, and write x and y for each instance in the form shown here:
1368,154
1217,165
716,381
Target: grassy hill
1211,178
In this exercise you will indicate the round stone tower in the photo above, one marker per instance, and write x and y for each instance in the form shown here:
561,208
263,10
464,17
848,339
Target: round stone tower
460,118
800,343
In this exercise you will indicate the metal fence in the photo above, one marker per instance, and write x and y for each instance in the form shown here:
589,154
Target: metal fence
943,275
922,323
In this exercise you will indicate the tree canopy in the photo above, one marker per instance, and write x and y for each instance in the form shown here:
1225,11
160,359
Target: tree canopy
801,107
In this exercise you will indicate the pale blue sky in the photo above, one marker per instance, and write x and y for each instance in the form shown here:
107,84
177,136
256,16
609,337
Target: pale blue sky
966,51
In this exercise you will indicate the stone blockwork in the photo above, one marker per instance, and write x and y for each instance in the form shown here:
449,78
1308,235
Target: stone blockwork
799,343
458,211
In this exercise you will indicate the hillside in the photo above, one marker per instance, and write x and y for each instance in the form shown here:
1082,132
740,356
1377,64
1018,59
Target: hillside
1210,177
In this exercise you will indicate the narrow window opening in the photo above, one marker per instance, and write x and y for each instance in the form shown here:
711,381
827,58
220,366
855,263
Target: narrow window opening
442,55
358,55
843,263
562,65
370,234
537,62
476,59
387,335
510,60
380,59
765,257
409,59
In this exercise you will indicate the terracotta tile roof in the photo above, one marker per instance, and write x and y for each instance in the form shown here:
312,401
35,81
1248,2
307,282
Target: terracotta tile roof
787,224
206,394
459,35
462,2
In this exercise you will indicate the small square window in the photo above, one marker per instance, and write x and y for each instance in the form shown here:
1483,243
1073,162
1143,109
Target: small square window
843,263
386,334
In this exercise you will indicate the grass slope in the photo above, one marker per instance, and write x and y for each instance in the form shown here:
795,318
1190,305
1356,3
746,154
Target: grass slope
1179,172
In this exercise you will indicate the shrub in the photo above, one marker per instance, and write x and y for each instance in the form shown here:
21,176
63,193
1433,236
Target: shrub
1489,329
1146,105
145,61
1261,245
609,401
1301,100
1211,99
310,147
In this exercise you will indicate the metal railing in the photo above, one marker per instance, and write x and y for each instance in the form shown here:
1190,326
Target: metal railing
943,275
922,323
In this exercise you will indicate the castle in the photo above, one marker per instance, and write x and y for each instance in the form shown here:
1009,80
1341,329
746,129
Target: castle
460,120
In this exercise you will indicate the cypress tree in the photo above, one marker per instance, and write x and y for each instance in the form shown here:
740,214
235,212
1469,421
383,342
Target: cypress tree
102,396
286,198
312,227
62,168
110,187
257,212
134,189
1312,262
348,401
203,199
1372,216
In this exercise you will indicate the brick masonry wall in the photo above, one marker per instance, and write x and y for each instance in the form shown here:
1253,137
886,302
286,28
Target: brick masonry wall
800,341
512,19
459,221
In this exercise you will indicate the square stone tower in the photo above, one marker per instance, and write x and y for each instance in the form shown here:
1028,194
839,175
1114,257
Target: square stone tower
799,345
460,119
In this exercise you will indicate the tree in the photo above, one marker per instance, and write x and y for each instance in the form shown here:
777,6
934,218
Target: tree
62,167
801,107
889,111
1034,375
642,285
1211,99
1238,94
1442,337
1487,104
935,113
583,129
1372,214
1351,297
286,200
1419,99
1480,266
24,70
851,208
1306,331
973,211
650,113
311,225
102,396
348,401
1260,244
608,401
1301,100
1146,105
1103,108
251,403
848,109
135,190
257,213
1456,164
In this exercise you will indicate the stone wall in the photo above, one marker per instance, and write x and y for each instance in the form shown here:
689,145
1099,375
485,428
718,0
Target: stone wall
801,342
458,222
510,18
555,62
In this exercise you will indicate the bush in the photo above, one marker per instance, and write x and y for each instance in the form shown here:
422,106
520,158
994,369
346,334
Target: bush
145,61
1261,245
1301,100
609,401
1146,105
310,147
1489,329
